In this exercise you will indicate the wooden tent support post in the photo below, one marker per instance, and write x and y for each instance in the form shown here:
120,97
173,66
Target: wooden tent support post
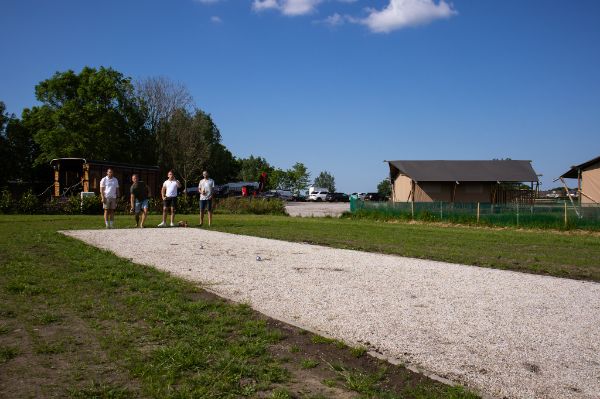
588,197
566,220
569,196
478,212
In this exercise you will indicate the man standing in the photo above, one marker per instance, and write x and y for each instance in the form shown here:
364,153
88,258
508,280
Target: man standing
206,188
109,191
139,193
169,196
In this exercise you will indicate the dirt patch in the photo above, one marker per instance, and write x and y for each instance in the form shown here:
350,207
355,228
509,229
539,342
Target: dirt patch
56,360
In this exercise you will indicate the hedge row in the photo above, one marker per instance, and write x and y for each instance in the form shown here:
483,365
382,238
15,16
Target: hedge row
30,204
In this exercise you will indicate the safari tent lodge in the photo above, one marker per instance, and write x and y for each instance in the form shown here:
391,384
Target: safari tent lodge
494,181
75,175
588,181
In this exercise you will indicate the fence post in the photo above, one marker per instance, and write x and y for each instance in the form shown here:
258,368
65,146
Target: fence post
441,213
566,221
517,213
412,209
478,212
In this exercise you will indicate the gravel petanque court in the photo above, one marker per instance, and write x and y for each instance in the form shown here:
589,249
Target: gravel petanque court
501,333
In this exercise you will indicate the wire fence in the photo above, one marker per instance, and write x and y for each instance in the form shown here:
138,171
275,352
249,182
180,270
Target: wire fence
560,214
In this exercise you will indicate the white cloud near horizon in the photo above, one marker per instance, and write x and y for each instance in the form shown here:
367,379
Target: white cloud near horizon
208,1
216,19
287,7
404,13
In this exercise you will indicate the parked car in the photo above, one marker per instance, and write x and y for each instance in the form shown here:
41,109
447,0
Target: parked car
373,197
318,196
337,197
299,198
360,196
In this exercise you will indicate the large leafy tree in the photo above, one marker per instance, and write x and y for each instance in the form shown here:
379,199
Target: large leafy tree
299,177
325,180
18,150
193,144
384,188
162,99
94,114
250,168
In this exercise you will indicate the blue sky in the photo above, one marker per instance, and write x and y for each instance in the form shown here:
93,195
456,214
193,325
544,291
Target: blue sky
342,85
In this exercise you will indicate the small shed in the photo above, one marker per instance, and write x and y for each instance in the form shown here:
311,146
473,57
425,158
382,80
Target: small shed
74,175
588,180
494,181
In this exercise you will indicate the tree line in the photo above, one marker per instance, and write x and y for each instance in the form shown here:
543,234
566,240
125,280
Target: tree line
101,114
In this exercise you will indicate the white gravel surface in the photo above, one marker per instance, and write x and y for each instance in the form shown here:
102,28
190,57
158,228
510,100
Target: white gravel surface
317,209
503,333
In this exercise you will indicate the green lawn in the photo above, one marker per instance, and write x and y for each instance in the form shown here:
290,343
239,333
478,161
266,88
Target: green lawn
79,322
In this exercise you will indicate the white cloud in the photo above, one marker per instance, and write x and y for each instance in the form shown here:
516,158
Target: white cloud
215,19
333,20
287,7
208,1
403,13
260,5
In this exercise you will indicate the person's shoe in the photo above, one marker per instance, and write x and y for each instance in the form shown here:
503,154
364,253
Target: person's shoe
162,224
141,226
172,224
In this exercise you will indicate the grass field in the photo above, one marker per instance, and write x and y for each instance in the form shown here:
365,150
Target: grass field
79,322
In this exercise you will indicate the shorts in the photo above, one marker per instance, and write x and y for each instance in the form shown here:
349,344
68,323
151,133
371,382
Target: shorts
109,203
206,204
170,202
139,205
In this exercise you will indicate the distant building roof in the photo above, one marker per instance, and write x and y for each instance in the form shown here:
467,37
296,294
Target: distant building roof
488,171
573,172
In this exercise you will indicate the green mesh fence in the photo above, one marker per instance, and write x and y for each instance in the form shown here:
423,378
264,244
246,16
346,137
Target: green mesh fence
554,215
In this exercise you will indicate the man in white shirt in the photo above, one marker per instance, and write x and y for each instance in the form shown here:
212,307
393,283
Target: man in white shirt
109,191
205,189
169,196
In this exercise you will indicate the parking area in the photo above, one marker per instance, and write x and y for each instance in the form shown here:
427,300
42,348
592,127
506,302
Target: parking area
317,209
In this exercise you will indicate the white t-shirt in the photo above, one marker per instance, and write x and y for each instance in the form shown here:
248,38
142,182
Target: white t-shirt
206,186
171,186
109,186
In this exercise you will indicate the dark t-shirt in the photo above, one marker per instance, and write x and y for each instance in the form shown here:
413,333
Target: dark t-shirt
139,191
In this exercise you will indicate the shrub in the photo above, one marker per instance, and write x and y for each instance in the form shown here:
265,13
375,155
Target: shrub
6,201
255,206
29,203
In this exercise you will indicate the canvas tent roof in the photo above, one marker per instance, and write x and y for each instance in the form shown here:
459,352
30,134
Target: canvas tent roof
488,171
573,174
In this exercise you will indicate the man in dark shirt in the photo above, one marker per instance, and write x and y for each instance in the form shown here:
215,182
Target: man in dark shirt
139,200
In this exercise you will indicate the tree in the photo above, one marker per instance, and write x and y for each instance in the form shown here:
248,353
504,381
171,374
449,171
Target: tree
299,178
325,180
4,150
162,99
252,167
18,150
192,139
94,114
384,188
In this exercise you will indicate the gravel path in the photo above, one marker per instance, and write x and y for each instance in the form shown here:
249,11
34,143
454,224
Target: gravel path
503,333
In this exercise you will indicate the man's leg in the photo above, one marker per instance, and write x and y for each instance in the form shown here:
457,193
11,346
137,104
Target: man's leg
172,214
106,217
201,213
164,214
209,218
144,215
